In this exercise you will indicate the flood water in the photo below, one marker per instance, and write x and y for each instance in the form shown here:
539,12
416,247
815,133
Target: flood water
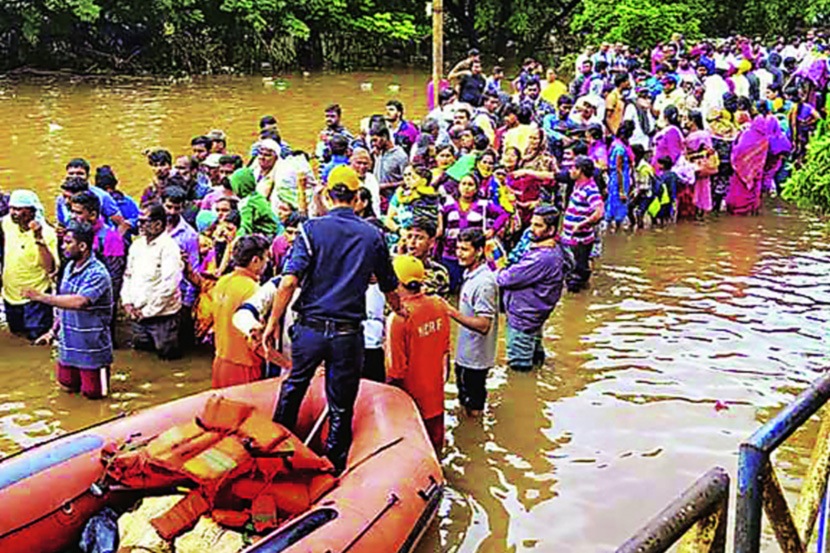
734,313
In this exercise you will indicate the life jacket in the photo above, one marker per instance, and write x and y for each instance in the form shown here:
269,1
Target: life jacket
235,457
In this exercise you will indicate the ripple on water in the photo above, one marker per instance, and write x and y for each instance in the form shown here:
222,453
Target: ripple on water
575,457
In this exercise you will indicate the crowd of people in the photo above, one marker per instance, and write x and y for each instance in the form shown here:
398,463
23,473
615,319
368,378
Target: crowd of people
361,253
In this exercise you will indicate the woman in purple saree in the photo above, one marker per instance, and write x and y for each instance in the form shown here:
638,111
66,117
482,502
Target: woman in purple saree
749,157
669,141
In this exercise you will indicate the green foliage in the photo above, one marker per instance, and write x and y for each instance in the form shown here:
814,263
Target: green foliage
206,35
202,35
809,186
640,22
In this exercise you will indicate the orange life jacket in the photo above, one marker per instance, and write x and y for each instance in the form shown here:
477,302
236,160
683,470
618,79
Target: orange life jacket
235,456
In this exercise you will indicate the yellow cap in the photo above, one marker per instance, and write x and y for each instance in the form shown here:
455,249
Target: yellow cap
409,269
345,175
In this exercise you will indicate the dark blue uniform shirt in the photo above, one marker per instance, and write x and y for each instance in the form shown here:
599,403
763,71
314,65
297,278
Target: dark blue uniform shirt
334,257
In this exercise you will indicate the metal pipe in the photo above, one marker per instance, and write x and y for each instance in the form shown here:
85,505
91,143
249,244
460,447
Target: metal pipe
751,462
708,535
821,540
780,427
701,499
778,513
812,491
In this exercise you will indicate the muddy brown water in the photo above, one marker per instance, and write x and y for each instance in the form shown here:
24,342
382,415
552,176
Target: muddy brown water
574,457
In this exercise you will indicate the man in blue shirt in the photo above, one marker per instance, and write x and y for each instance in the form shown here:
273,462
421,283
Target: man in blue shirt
77,180
85,307
335,257
106,180
339,148
174,198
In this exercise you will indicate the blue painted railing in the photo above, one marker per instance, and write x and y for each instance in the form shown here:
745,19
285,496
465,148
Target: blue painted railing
698,517
758,487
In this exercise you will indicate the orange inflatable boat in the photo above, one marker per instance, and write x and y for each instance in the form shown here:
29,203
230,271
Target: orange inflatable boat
384,501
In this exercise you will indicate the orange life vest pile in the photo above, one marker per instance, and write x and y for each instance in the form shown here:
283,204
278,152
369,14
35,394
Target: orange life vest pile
246,468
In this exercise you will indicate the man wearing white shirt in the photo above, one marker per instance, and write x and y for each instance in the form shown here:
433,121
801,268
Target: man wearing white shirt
150,295
361,162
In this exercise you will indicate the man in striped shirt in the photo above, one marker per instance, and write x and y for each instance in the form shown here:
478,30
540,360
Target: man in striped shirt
585,210
85,307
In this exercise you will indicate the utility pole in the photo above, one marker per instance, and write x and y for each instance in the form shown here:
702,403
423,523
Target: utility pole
437,47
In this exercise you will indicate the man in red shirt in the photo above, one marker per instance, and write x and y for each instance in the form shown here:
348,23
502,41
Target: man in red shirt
418,347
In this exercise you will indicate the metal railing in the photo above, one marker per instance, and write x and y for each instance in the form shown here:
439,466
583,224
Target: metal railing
758,486
697,519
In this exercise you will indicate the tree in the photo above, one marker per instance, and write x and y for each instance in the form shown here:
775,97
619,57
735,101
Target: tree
637,22
201,35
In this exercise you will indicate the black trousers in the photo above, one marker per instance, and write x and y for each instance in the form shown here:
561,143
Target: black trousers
374,365
579,277
472,387
342,353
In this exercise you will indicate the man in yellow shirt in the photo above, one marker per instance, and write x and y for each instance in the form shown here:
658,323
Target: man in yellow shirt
28,253
615,103
554,89
519,136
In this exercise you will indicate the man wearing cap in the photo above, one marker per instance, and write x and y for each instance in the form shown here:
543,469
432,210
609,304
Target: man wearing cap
268,154
335,257
671,96
212,164
28,254
418,347
220,142
531,288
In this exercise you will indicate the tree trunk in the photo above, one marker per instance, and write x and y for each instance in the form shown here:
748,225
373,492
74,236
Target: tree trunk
500,44
464,14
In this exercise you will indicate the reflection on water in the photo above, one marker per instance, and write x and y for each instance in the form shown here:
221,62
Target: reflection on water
573,458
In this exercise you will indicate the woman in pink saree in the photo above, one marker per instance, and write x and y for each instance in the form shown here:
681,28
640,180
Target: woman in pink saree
698,151
749,157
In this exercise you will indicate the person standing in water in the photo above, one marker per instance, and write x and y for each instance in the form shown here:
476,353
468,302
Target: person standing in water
85,306
334,257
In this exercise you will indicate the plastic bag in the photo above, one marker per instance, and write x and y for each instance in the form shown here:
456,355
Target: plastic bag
209,536
135,531
101,533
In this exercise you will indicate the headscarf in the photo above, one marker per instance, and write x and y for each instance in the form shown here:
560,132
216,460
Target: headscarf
27,198
205,219
269,144
243,182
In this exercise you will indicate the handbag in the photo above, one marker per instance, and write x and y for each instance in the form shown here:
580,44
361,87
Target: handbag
707,165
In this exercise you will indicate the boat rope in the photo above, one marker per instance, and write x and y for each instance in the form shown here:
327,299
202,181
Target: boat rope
379,450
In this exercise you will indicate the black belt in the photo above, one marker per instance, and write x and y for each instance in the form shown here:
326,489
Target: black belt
327,325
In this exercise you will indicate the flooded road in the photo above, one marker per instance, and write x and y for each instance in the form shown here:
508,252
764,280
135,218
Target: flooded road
734,312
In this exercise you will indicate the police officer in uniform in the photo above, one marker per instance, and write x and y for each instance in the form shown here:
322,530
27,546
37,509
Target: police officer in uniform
332,262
